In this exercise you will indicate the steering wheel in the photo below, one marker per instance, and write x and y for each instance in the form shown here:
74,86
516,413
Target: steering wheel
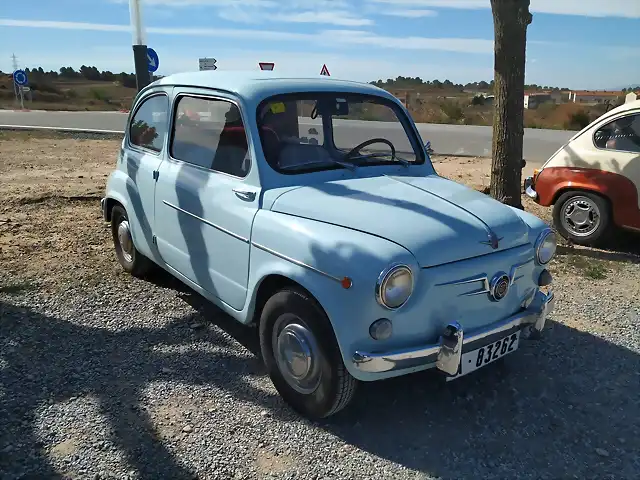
359,147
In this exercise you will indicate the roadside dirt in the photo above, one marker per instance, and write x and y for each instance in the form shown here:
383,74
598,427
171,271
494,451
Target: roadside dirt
51,230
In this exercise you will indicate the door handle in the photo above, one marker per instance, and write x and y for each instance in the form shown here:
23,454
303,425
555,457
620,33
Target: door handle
245,194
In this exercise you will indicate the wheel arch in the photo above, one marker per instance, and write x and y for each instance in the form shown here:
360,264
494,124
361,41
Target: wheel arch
271,284
580,189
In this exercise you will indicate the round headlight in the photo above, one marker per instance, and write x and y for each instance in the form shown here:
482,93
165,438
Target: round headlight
395,286
545,246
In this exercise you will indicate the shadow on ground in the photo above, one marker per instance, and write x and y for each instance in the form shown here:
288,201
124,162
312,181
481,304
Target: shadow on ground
546,410
622,247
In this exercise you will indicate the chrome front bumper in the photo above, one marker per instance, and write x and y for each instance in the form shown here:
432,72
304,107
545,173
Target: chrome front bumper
446,354
528,188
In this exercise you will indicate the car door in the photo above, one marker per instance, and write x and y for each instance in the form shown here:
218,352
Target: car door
144,144
206,198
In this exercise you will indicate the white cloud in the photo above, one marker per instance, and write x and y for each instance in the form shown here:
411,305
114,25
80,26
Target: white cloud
335,38
410,13
589,8
342,18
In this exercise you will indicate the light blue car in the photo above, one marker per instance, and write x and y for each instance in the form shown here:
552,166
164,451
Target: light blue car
309,207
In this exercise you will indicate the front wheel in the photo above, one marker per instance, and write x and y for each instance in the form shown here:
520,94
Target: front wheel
302,356
583,218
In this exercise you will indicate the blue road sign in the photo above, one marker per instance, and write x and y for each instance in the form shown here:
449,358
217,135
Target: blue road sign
153,62
20,77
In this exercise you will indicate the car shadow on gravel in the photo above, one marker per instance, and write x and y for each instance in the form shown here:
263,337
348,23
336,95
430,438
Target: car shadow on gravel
563,406
45,361
622,247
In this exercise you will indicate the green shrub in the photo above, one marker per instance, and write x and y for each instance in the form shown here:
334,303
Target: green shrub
578,120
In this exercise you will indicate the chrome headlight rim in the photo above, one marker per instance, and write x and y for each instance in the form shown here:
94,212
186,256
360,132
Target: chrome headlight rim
542,237
384,276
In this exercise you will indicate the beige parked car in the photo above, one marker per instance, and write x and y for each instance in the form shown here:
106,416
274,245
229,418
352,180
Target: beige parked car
592,181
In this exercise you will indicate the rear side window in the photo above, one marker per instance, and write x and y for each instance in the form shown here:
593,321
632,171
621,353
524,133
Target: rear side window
209,133
620,134
148,127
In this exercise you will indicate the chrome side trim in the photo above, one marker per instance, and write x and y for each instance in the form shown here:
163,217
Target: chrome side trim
296,262
428,355
207,222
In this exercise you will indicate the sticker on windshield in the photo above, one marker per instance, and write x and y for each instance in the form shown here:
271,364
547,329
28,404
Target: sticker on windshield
277,107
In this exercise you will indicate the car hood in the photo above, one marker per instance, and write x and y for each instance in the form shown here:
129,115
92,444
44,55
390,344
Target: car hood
438,220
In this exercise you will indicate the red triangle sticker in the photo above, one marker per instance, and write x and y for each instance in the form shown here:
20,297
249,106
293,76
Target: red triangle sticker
325,71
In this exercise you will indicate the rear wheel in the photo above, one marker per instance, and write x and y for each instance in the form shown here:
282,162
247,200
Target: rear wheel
302,356
128,255
583,218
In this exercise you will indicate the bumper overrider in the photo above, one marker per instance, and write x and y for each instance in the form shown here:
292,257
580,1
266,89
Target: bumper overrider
529,188
454,341
103,208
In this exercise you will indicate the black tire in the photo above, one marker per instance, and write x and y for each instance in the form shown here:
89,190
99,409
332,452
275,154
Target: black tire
137,265
597,237
336,386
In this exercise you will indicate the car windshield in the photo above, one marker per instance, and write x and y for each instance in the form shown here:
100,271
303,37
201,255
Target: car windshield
319,131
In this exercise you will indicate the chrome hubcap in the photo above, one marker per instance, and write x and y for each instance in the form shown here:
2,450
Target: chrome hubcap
125,241
580,216
296,352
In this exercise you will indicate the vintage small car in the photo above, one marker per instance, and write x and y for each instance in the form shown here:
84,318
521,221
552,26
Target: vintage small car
309,208
592,181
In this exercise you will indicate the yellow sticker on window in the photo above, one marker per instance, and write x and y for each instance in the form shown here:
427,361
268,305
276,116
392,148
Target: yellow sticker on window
277,107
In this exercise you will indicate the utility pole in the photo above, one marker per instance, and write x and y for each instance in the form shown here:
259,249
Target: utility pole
143,77
15,67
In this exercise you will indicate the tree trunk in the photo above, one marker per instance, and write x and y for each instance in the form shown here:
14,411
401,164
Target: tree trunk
510,21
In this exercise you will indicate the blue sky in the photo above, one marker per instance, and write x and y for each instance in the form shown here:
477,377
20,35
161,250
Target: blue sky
572,43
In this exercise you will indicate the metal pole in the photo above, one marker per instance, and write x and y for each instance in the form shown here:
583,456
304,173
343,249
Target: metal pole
143,77
15,67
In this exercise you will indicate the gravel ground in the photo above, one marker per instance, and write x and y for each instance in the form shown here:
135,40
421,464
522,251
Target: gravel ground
107,376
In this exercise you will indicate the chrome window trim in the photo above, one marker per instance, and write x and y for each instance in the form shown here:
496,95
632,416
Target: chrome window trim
204,96
132,116
207,222
631,113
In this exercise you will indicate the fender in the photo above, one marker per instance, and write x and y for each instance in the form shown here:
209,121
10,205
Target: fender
618,189
122,189
319,257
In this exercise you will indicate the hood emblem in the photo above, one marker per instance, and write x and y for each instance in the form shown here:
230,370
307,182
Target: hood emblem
493,240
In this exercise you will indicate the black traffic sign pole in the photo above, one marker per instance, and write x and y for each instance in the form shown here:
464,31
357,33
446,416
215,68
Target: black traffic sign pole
143,77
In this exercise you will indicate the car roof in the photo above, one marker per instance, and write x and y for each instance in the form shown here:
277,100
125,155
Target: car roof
257,85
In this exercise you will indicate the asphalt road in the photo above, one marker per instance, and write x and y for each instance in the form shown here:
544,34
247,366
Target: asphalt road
445,139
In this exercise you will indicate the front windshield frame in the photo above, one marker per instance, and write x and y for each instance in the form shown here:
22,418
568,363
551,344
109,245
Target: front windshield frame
402,118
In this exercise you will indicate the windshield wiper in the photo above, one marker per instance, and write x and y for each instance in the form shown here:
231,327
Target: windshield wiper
350,166
405,163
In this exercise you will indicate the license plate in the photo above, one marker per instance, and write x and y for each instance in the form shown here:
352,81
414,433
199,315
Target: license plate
476,359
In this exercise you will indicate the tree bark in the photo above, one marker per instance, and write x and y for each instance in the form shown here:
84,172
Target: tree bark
510,21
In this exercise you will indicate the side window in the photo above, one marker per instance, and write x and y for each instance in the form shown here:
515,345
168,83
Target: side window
620,134
210,133
148,126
